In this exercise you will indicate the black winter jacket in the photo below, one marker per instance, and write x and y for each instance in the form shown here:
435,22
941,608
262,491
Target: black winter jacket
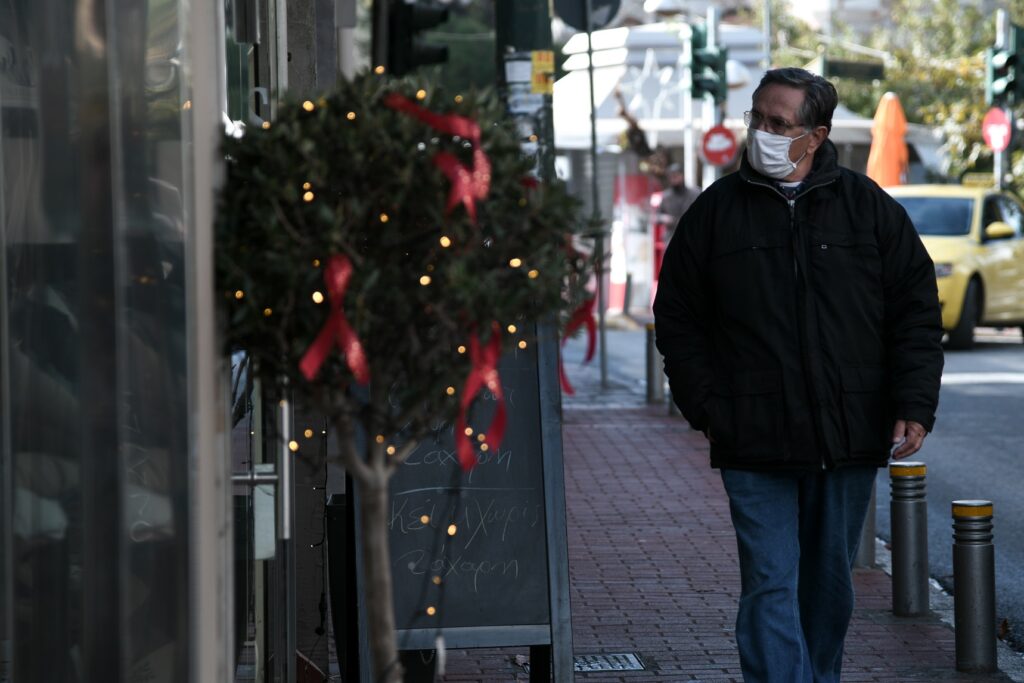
795,332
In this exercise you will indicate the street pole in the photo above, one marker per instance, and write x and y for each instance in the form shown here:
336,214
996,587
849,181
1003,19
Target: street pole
525,61
999,158
595,210
689,150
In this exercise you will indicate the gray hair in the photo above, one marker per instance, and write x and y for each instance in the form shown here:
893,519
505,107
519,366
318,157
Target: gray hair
820,96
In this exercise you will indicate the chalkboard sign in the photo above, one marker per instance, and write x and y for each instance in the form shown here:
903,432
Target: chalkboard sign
501,579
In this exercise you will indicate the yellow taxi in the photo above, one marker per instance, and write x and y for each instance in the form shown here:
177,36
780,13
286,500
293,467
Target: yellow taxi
975,236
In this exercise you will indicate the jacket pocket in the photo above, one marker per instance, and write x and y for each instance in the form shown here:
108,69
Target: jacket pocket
865,409
752,413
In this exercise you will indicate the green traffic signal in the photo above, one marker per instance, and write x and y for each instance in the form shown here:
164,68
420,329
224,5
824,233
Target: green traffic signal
707,66
406,48
1003,84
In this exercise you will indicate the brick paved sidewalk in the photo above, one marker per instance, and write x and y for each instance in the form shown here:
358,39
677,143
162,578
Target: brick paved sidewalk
653,566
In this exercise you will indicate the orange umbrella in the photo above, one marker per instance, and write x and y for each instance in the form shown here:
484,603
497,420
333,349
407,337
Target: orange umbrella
887,161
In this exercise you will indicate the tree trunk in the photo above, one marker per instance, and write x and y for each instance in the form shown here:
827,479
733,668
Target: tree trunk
380,613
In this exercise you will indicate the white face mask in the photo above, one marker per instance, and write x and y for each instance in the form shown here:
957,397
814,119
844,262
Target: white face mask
768,153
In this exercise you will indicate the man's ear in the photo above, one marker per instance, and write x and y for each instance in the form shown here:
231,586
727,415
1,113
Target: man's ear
818,137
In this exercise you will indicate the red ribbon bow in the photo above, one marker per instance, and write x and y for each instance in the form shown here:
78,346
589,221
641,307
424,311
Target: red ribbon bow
483,374
468,185
584,315
337,273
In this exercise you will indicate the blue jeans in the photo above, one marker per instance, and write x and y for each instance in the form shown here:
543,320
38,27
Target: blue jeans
797,535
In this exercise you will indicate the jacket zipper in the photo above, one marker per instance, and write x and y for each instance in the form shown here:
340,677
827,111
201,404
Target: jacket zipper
796,273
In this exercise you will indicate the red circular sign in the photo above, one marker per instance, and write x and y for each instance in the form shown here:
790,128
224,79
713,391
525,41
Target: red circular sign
718,146
995,128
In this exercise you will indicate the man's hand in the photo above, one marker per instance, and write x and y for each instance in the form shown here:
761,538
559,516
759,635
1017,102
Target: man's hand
910,437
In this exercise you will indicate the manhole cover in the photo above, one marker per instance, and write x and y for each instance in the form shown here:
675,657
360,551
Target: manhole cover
626,661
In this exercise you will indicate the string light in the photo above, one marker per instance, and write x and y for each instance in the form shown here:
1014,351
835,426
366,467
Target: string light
421,94
515,262
266,125
469,431
379,70
316,263
431,611
267,312
481,437
511,329
425,280
318,297
307,197
446,241
379,438
390,450
450,391
293,445
187,105
533,274
307,185
452,529
425,519
308,433
461,349
484,447
384,218
522,344
436,580
351,116
308,106
533,138
239,294
458,99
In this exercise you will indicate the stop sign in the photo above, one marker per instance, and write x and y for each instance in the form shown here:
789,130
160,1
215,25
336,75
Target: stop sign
995,128
718,146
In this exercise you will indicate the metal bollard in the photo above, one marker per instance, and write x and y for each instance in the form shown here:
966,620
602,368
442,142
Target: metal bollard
866,549
909,513
974,579
655,370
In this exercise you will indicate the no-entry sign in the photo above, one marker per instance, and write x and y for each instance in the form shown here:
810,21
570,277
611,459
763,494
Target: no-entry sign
995,128
718,146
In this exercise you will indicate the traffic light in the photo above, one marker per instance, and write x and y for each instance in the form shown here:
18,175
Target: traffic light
406,48
1003,85
707,65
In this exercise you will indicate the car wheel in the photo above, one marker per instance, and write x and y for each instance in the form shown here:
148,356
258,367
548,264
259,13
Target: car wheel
961,337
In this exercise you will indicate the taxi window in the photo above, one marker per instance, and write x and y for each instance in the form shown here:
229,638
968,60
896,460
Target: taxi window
939,215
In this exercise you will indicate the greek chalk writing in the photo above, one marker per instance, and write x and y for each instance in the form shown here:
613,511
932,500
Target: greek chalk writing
419,563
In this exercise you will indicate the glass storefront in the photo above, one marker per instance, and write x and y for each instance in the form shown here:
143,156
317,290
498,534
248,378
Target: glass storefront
94,414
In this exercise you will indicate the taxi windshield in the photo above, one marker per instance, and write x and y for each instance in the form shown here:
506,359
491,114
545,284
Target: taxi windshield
939,215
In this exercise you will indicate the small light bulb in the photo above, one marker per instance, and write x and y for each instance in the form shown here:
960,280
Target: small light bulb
425,280
425,519
379,70
266,125
307,197
318,297
239,294
351,116
446,241
481,437
390,450
522,344
436,580
484,447
515,263
421,94
533,138
469,431
450,391
307,185
452,529
431,611
308,106
511,329
267,312
316,263
461,349
379,438
458,99
384,218
187,105
308,433
293,445
533,274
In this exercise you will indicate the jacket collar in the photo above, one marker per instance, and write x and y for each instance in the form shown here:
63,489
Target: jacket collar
824,169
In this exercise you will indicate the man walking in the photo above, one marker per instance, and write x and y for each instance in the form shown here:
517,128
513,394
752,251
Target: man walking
799,320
